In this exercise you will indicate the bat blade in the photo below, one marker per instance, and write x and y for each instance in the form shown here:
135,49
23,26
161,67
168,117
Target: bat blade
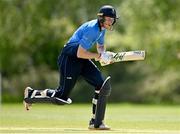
129,56
126,56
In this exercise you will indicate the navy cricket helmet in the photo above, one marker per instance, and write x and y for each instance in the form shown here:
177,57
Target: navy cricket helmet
108,11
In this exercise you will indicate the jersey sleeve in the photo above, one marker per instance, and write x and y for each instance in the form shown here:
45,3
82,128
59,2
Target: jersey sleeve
86,40
100,41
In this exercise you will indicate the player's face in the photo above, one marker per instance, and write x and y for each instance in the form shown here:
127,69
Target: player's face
108,22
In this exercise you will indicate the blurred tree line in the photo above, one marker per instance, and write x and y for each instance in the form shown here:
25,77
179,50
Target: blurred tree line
33,32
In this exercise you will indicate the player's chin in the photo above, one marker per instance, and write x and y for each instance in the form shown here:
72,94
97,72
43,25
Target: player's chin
108,27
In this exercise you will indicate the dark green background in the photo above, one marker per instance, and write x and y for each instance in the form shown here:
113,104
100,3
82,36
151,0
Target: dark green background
32,33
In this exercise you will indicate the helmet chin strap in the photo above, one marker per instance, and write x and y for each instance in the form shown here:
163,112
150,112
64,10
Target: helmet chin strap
111,28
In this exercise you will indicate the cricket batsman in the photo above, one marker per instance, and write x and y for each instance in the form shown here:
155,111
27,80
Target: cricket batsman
75,60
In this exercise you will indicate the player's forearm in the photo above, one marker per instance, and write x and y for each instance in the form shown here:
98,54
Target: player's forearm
84,54
88,55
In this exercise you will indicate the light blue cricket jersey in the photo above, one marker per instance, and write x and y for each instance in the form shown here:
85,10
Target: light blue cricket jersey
87,35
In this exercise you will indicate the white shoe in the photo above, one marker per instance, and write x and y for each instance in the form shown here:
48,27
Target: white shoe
101,127
44,93
27,95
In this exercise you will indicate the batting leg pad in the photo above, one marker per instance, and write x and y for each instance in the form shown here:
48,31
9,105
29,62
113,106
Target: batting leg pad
53,100
101,102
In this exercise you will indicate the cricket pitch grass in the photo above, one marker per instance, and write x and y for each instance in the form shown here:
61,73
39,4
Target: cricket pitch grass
74,118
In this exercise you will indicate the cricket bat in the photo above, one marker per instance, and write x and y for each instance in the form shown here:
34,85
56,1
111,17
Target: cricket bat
126,56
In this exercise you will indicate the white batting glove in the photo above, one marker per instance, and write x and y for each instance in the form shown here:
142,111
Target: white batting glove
106,58
112,54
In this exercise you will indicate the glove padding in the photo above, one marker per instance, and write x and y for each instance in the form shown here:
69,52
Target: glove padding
106,58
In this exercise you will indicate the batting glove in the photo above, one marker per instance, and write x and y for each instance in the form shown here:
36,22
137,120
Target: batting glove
106,58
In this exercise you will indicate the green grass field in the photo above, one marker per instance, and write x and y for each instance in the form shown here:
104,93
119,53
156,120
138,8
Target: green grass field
123,118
